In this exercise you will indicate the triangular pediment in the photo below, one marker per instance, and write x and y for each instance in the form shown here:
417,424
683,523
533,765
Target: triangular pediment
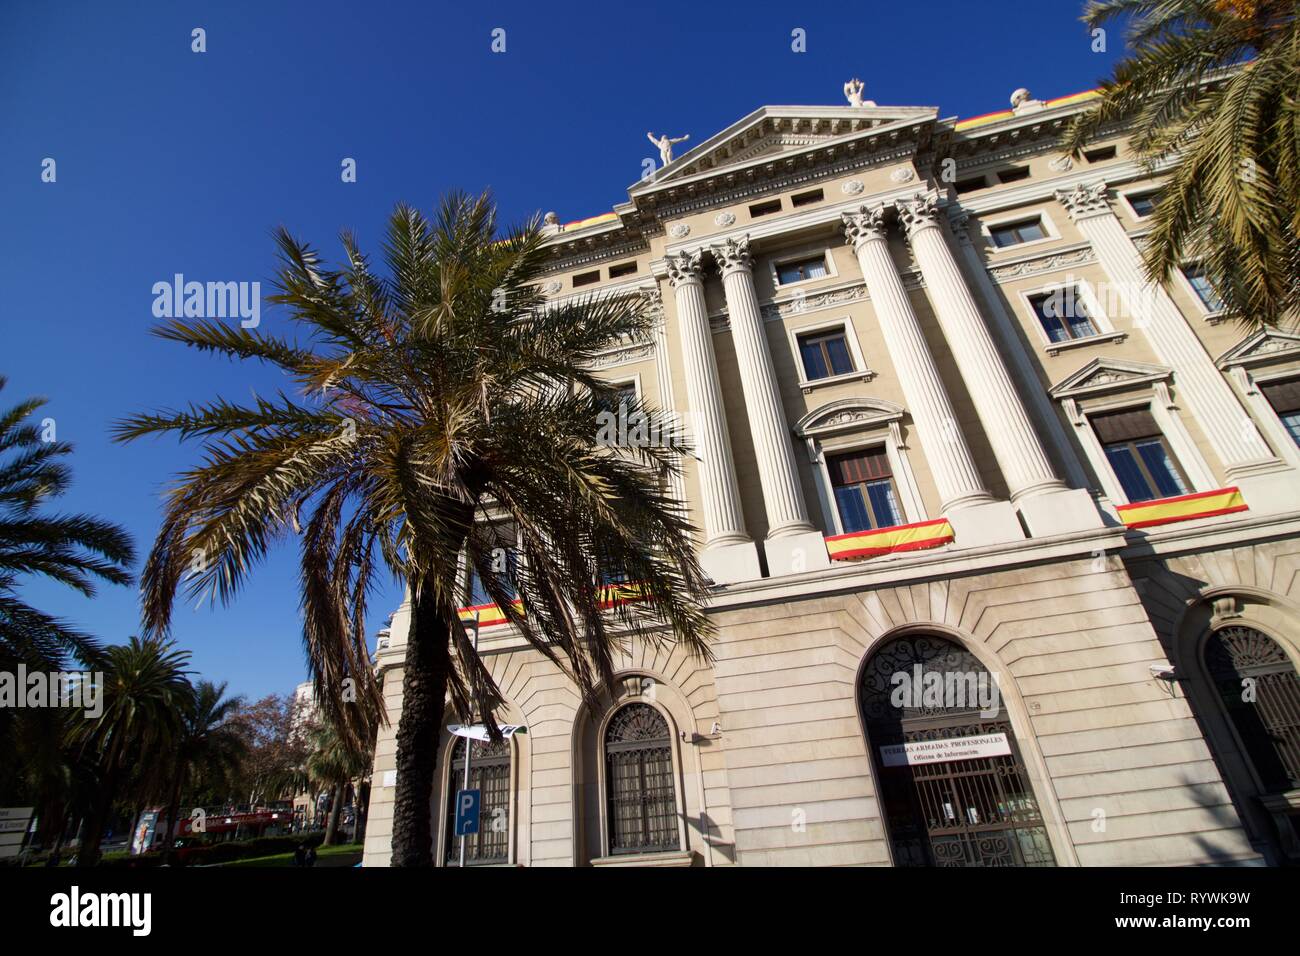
1262,346
774,132
1107,375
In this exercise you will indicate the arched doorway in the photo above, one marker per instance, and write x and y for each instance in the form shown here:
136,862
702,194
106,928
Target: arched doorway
489,773
952,784
1259,695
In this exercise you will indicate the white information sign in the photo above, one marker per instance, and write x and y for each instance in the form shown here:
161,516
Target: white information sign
479,732
942,751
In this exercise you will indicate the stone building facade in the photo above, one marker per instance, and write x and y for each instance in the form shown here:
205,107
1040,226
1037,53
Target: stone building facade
941,425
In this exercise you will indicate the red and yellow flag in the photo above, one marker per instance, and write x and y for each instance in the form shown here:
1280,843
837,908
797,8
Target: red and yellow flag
903,537
1203,504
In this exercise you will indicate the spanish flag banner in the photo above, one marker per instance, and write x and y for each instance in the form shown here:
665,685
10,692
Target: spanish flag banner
488,614
620,593
903,537
1204,504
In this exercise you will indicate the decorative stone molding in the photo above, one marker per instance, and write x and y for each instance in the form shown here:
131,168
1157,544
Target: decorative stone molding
685,267
919,212
724,219
1084,200
553,287
852,187
902,175
631,352
680,231
1101,376
732,255
1046,263
1267,345
1061,164
863,225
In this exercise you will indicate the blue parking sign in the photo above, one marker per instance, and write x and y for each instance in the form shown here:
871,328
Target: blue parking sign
467,804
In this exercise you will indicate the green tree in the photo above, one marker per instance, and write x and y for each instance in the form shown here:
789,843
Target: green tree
209,749
76,550
144,693
333,763
432,397
1211,85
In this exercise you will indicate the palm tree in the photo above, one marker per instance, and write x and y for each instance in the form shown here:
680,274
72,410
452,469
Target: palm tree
433,398
143,697
73,549
208,749
1211,84
332,763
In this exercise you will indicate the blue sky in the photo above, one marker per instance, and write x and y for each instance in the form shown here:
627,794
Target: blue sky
174,161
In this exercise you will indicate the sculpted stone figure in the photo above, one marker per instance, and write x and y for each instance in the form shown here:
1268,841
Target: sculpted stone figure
666,146
853,91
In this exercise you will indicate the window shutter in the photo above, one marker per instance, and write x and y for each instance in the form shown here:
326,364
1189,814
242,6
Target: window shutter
859,466
1125,426
1283,396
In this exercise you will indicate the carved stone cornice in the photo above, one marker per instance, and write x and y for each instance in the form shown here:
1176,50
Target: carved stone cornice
864,225
732,255
1084,200
684,267
919,212
1047,262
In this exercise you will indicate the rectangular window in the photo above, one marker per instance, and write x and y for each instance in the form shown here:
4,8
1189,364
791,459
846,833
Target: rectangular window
1013,175
1139,455
806,199
614,397
1100,154
1195,274
622,269
501,542
1143,204
1285,399
969,185
825,354
1014,233
797,270
1063,315
586,278
864,491
764,208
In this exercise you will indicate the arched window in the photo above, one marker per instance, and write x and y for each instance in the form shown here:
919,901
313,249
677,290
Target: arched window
489,773
1260,692
641,796
950,778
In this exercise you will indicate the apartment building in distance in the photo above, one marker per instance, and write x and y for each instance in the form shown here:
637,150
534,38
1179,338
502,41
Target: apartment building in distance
941,426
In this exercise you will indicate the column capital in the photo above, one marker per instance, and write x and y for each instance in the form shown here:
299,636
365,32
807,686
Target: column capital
685,267
864,225
919,212
1084,200
732,255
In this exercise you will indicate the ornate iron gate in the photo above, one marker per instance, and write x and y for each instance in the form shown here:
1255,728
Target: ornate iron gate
972,812
489,773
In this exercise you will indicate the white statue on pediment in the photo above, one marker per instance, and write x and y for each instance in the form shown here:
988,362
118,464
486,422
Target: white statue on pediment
666,146
853,92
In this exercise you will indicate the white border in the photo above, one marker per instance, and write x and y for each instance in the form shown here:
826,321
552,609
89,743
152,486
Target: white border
860,369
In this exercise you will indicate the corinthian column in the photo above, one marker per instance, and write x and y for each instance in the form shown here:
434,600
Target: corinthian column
724,523
1226,423
949,457
1021,457
777,473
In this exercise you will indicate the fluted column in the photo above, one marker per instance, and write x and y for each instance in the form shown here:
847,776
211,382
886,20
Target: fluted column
724,522
777,473
1020,455
1225,422
950,460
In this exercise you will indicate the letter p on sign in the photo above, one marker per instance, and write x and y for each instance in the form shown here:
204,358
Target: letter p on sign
467,806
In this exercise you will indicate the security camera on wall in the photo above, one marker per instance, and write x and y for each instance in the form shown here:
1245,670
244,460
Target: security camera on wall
1164,671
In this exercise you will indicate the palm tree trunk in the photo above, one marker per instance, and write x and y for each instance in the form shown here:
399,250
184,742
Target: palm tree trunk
174,807
424,694
332,823
101,806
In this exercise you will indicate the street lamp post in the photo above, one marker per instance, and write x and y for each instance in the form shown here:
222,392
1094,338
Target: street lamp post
469,749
